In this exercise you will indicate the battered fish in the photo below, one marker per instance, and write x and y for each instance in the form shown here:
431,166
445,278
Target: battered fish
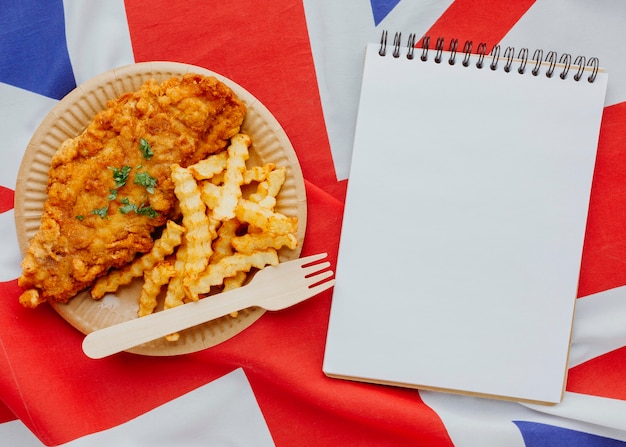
109,189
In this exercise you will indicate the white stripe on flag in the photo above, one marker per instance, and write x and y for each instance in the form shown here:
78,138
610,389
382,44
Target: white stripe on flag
598,328
578,27
20,113
223,412
595,410
10,255
473,421
97,36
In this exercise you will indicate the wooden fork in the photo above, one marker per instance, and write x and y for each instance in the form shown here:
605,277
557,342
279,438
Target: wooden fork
272,288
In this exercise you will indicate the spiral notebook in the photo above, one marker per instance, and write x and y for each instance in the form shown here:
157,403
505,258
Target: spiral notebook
464,219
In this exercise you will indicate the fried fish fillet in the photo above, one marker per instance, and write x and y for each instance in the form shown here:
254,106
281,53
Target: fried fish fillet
109,189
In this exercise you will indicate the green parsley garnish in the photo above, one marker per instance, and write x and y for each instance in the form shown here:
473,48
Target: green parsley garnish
120,175
145,179
127,207
80,217
142,210
145,148
102,212
147,210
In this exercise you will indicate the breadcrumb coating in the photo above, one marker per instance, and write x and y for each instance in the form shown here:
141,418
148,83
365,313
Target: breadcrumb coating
109,189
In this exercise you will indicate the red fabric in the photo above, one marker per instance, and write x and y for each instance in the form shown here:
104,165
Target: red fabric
604,251
6,199
603,376
478,21
605,241
6,415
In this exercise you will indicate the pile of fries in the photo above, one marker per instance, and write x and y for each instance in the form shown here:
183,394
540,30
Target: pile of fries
221,237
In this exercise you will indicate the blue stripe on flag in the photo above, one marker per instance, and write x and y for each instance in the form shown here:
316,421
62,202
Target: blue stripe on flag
33,49
381,8
543,435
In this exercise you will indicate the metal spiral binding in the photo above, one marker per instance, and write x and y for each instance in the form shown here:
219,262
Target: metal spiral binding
508,57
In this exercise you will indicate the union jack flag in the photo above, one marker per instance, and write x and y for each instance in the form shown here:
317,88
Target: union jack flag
302,60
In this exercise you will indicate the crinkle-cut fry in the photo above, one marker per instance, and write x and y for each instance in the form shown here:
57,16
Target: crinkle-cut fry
252,242
268,190
214,224
165,245
195,220
210,166
227,267
175,294
210,194
222,246
153,280
217,179
265,219
234,282
257,173
230,191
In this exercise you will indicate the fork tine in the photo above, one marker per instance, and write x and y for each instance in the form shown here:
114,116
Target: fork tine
321,287
313,268
312,258
300,263
319,277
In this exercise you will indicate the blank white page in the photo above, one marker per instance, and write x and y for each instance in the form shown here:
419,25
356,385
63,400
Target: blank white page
463,228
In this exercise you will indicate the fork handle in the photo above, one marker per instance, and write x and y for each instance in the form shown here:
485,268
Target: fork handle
126,335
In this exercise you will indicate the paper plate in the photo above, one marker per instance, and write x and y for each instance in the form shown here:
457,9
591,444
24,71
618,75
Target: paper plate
70,117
